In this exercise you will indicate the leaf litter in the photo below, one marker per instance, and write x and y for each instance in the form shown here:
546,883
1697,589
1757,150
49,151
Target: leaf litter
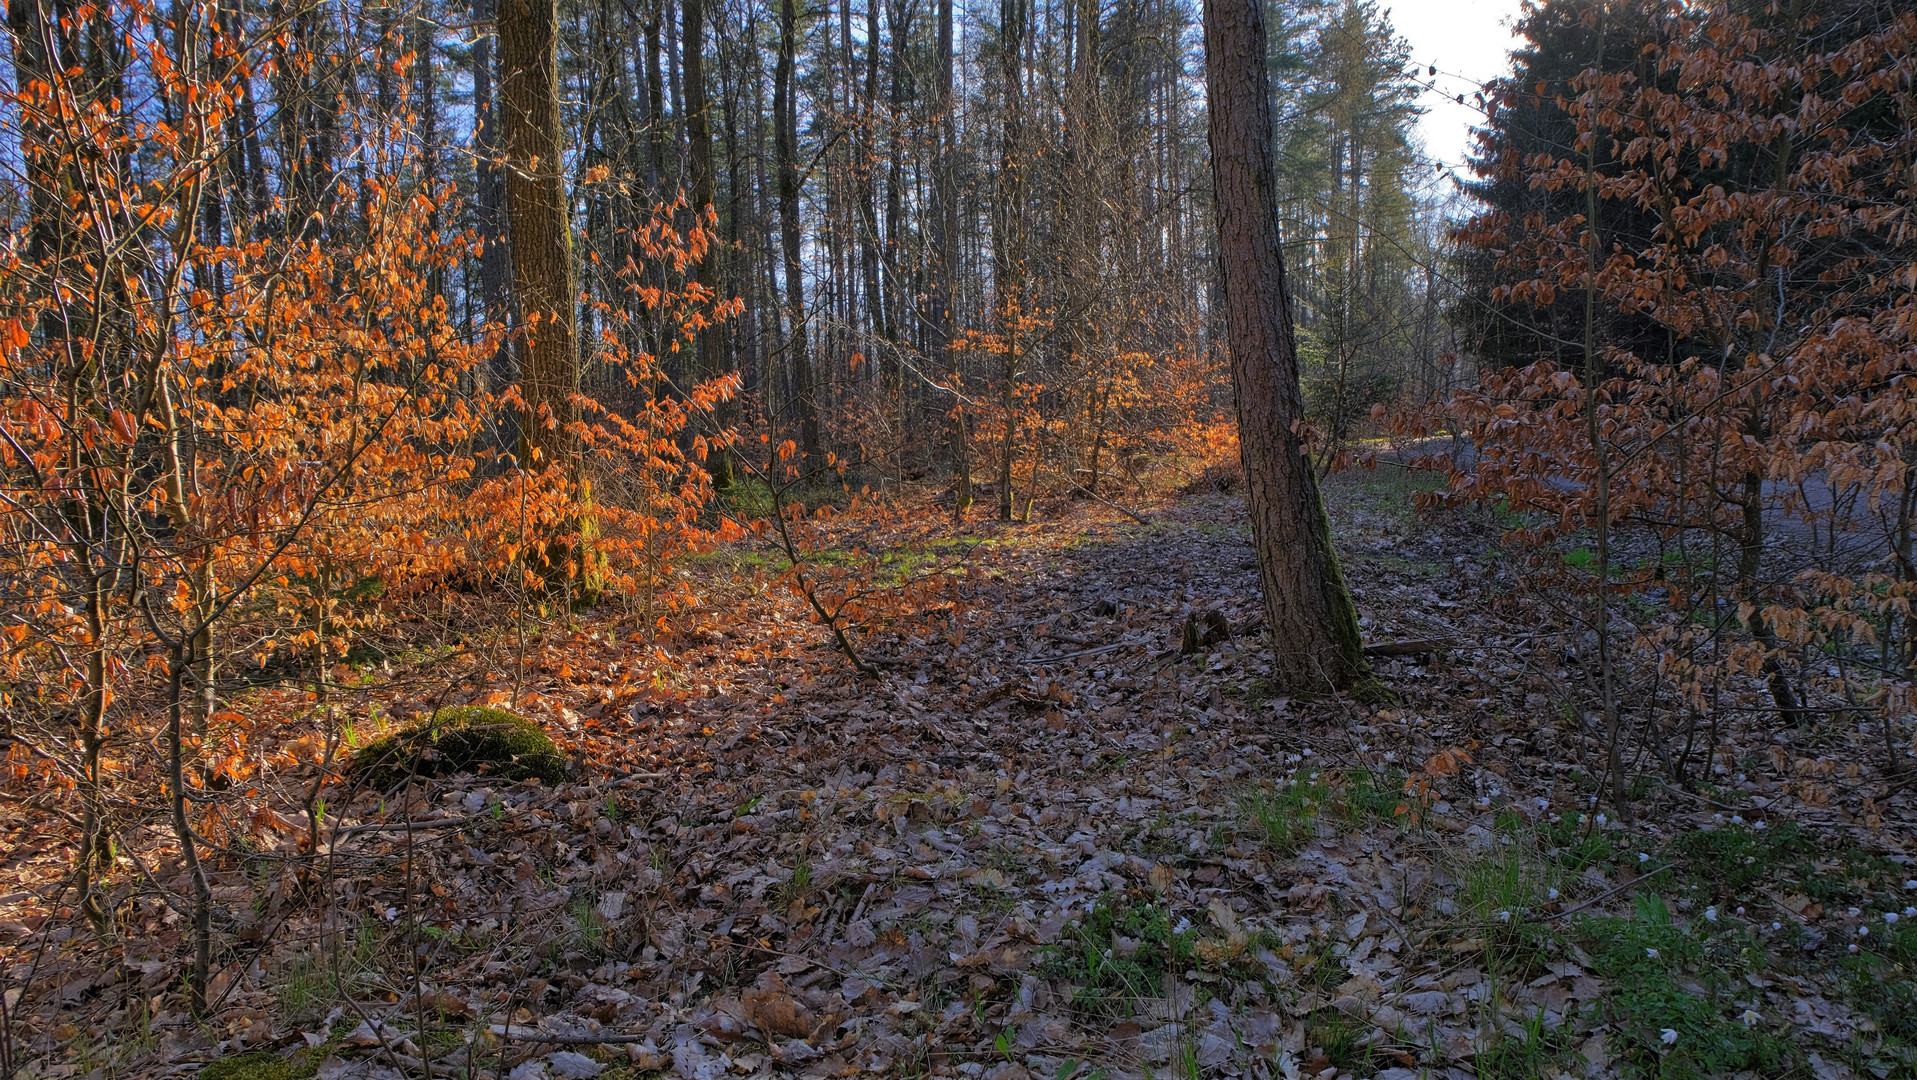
1047,843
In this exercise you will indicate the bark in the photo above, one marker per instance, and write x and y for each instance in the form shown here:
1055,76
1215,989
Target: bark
707,272
786,140
945,255
489,199
1313,623
540,229
1008,236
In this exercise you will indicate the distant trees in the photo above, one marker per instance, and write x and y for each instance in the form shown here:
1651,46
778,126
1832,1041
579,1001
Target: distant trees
1361,223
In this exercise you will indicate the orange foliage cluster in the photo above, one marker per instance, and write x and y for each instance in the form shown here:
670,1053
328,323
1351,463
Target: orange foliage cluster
220,456
1786,402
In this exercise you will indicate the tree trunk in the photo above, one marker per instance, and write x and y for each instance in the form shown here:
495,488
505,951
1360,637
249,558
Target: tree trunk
707,272
489,195
945,257
1008,234
541,229
1314,626
786,139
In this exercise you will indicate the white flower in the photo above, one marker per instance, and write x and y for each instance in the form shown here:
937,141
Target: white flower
1669,1035
1737,819
391,914
1600,819
1853,912
1863,931
1710,914
1642,857
1740,909
1777,926
1750,1018
1551,894
1652,953
1718,818
1911,884
1910,913
1853,948
1890,916
1759,826
1504,916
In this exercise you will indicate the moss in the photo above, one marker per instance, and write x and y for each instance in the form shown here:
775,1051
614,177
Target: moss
460,738
257,1066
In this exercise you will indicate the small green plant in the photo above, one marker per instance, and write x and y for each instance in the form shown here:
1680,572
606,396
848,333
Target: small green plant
1523,1058
1671,1001
1883,977
1118,953
1727,861
1571,840
1286,816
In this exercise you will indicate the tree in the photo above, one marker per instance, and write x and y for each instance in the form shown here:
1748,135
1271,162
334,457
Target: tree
540,230
1313,623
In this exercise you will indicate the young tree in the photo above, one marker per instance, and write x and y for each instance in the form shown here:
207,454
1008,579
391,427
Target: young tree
1313,623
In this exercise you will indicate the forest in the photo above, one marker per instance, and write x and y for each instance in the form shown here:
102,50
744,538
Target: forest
563,539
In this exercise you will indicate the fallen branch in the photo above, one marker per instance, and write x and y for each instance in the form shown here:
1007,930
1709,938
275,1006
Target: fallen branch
1095,651
1407,648
539,1035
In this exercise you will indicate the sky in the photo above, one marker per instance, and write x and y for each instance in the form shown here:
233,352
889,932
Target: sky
1468,41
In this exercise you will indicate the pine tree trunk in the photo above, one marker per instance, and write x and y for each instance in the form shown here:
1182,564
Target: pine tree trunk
540,227
786,140
1313,624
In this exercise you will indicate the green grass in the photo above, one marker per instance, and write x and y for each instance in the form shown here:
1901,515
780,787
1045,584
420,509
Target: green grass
1286,816
1501,889
1573,842
1539,1052
1341,1039
1373,796
1723,864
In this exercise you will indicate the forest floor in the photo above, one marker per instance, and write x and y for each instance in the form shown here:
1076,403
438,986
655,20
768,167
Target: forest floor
1044,844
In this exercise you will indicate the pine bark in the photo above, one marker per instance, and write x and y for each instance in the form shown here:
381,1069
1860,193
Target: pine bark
1313,623
540,229
786,148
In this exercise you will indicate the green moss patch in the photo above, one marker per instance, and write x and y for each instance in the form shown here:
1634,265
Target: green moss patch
257,1066
461,739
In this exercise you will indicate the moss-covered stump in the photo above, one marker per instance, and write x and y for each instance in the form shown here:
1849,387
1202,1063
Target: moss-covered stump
460,739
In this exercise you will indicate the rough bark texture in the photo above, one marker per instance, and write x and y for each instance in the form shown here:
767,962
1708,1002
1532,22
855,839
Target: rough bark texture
541,233
489,192
1314,627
